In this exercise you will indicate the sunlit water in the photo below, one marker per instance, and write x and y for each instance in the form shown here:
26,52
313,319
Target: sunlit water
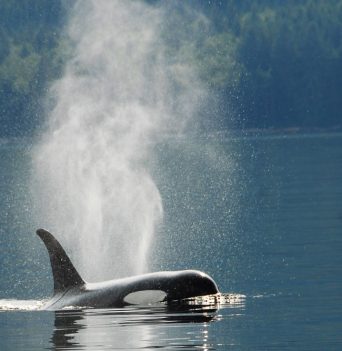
261,215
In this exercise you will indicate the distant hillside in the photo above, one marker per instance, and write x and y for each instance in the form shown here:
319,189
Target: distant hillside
268,64
31,55
275,63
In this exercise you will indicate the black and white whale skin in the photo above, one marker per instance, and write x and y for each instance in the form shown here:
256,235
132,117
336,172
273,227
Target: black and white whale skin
71,290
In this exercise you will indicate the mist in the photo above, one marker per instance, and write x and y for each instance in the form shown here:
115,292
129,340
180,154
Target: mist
119,95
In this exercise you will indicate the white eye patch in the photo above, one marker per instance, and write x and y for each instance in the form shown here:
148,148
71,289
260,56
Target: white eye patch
145,297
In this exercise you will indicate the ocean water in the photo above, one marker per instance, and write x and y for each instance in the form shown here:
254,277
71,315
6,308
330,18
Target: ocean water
262,215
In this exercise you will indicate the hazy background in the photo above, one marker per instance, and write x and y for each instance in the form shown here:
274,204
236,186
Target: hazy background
267,64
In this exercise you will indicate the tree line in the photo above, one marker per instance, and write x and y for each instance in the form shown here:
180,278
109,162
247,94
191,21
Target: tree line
269,64
276,64
31,56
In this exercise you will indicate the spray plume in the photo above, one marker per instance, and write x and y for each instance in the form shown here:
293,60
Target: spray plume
92,185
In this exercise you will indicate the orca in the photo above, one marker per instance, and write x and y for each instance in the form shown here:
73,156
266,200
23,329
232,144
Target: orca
70,290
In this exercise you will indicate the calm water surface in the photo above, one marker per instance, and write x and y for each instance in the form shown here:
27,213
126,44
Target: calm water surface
262,215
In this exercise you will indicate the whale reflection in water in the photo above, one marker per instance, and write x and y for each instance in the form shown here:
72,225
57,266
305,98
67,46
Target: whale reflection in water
184,324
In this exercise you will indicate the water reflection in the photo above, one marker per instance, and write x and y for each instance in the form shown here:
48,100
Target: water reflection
180,326
66,326
175,327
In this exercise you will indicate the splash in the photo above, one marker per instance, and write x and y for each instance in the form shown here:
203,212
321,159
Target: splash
20,305
91,179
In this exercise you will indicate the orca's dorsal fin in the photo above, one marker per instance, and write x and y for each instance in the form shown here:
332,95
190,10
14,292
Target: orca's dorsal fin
64,273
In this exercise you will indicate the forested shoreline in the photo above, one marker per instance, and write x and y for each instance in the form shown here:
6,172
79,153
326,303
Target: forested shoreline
290,59
269,64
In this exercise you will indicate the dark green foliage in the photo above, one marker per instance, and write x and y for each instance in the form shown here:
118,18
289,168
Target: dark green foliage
30,41
290,54
268,63
293,57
